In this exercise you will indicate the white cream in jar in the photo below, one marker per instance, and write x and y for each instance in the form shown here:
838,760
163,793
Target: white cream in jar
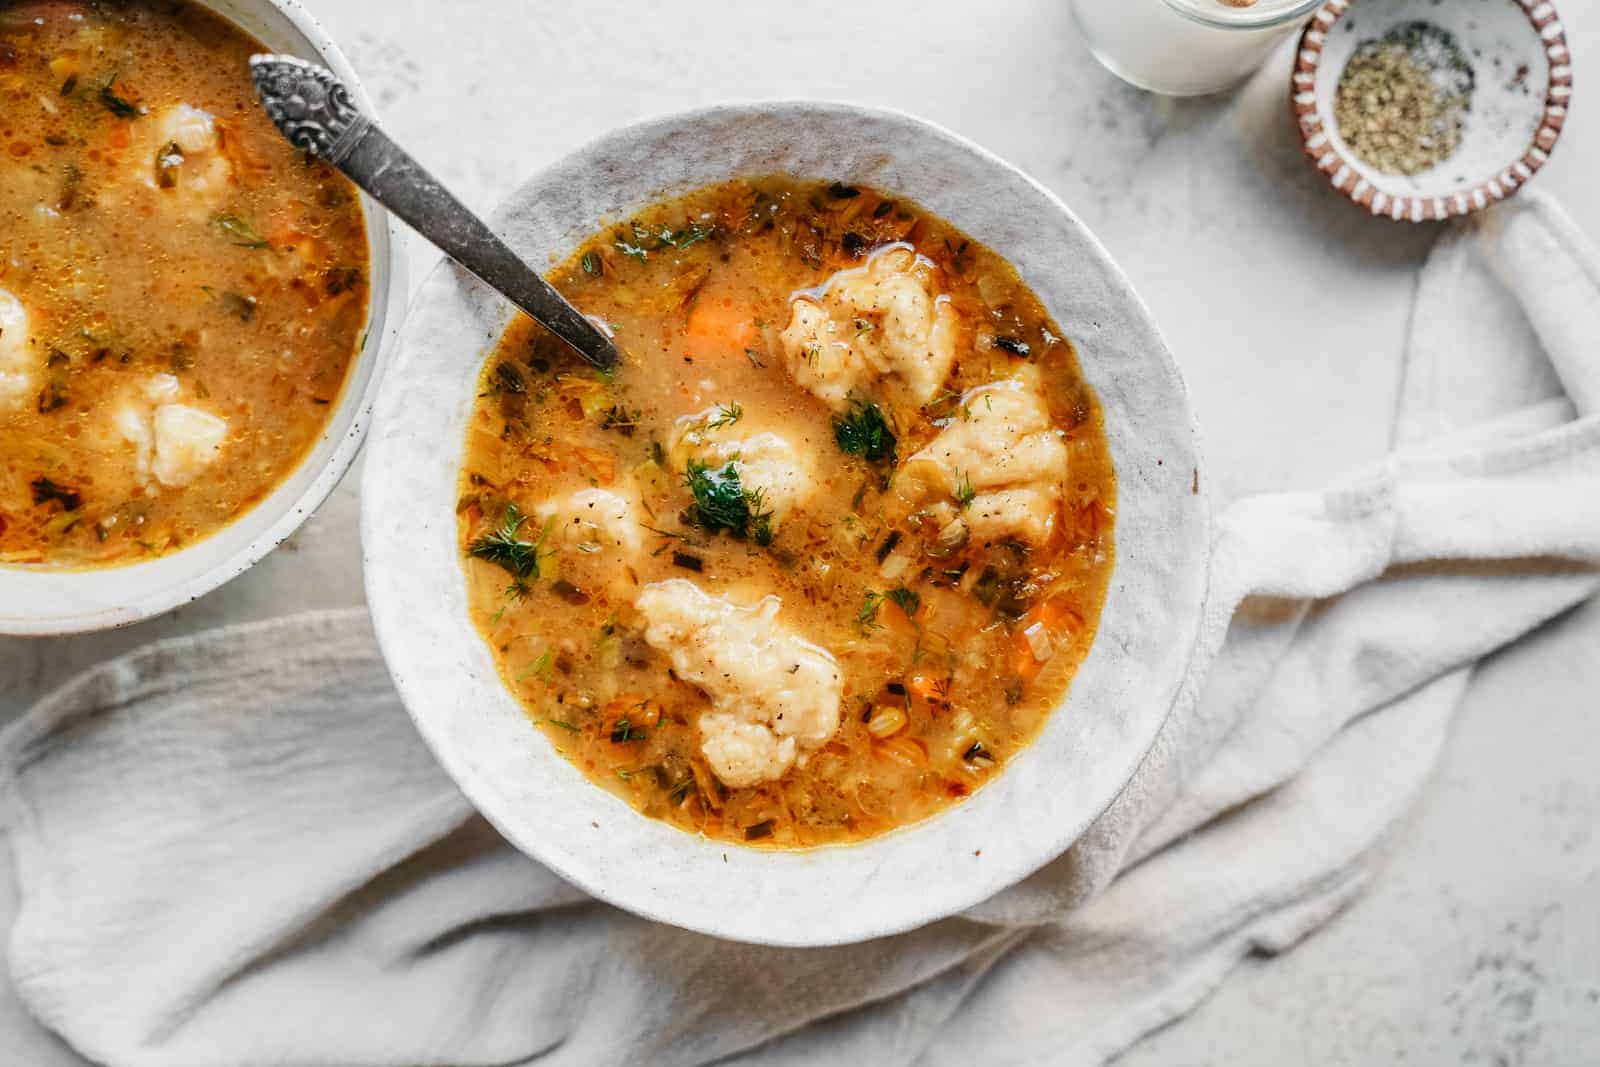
1187,47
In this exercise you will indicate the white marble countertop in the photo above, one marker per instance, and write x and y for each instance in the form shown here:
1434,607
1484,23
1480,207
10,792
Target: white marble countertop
1480,940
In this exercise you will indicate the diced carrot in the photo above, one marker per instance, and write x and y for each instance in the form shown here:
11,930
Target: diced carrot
1055,617
894,618
717,323
929,689
600,465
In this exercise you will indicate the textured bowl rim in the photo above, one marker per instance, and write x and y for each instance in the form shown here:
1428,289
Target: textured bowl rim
385,314
410,628
1344,174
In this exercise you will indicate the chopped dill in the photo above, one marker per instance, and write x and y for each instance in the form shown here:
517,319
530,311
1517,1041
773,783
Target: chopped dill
642,240
625,731
727,415
863,431
867,617
544,667
506,549
116,104
721,502
239,231
909,600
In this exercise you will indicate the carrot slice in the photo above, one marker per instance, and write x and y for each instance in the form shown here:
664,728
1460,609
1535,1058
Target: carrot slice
717,322
1055,618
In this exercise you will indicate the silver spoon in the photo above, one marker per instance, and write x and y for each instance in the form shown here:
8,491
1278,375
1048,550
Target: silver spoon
313,109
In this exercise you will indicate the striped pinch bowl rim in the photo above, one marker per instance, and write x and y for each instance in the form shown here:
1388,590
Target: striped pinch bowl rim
1344,175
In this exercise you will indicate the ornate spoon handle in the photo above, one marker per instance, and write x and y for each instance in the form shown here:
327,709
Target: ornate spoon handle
313,109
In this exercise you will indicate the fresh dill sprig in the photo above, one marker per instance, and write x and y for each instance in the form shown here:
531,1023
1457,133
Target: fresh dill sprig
909,600
505,548
863,431
721,502
727,415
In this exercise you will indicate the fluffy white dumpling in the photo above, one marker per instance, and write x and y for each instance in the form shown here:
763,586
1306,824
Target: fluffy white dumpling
774,695
187,441
1004,453
875,328
172,442
19,362
767,462
596,521
187,154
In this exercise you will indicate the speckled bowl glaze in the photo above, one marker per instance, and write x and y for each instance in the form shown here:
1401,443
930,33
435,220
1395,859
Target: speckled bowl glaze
1518,51
37,601
1047,795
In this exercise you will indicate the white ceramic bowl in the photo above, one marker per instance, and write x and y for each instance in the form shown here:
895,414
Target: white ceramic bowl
38,601
1522,71
1045,797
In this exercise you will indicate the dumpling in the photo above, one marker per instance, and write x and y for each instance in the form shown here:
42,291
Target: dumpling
187,154
766,462
172,442
187,441
774,695
592,521
1000,465
19,362
870,329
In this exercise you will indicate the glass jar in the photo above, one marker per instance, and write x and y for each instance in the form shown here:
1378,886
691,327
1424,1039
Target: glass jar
1187,47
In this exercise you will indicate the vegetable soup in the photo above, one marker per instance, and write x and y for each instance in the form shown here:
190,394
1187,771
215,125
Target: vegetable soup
825,551
182,293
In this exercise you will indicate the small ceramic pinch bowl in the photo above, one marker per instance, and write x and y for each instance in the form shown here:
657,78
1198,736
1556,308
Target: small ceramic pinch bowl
38,601
1522,87
1045,797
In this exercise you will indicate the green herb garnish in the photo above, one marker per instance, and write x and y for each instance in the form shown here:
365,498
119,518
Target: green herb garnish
44,491
238,304
239,231
116,104
645,240
727,415
543,666
863,431
591,263
624,732
621,419
965,492
867,617
508,379
909,600
503,547
721,502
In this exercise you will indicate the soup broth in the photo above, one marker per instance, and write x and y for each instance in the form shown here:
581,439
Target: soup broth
825,551
182,293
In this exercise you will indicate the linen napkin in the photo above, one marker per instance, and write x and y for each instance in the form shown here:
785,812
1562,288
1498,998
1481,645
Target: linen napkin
232,849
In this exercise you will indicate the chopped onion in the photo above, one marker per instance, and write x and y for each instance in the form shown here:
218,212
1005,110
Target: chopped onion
1038,638
894,566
